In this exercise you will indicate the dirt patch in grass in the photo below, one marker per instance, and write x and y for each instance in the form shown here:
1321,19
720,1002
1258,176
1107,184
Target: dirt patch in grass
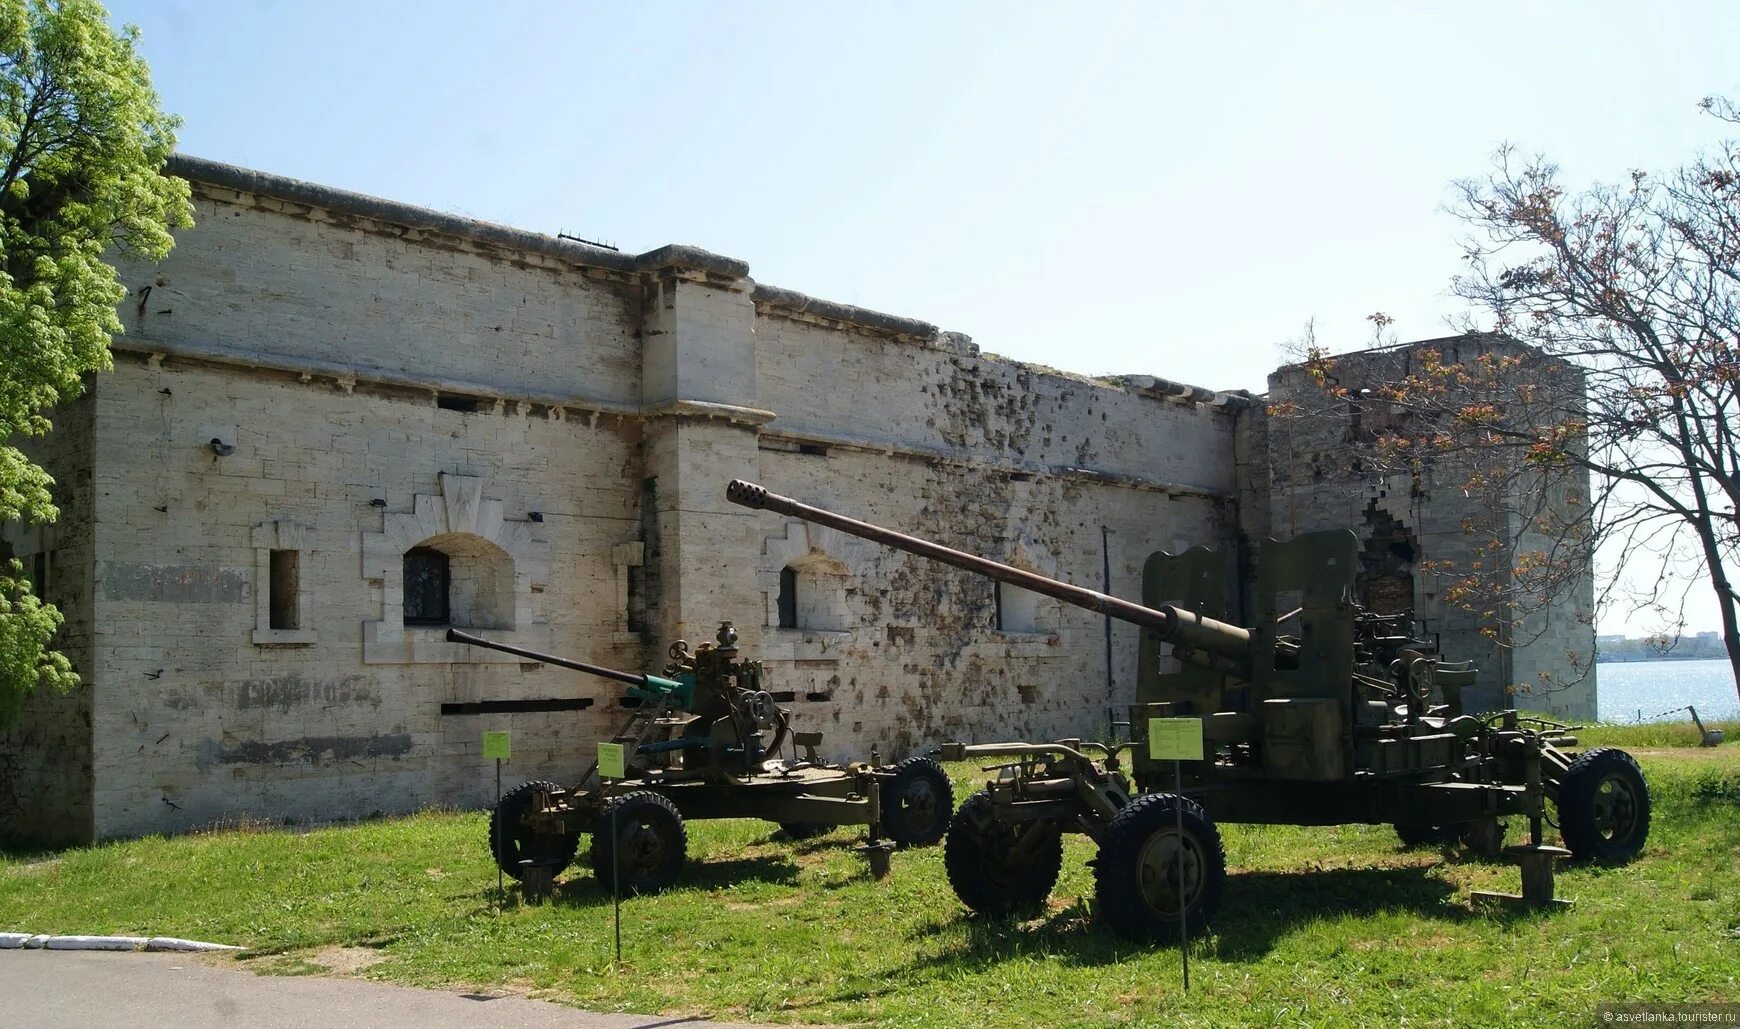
33,867
345,960
1703,755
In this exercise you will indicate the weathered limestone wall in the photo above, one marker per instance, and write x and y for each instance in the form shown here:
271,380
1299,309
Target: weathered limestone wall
378,380
919,659
45,756
1404,521
203,715
561,422
1003,460
270,278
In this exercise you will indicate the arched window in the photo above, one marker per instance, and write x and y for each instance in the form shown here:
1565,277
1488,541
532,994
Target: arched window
428,578
459,579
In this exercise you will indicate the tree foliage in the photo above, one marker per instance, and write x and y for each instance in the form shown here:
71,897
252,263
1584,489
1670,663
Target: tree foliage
82,143
1637,287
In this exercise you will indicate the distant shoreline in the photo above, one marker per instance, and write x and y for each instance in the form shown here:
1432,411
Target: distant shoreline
1624,658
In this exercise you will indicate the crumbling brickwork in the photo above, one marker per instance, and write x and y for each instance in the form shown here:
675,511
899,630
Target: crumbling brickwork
1421,532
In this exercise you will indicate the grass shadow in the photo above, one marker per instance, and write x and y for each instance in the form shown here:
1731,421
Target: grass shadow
1260,908
1257,910
584,890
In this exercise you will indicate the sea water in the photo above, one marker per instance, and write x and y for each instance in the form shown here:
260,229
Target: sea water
1659,691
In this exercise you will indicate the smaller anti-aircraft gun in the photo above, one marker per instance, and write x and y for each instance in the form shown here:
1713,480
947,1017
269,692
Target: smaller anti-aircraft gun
705,740
1319,714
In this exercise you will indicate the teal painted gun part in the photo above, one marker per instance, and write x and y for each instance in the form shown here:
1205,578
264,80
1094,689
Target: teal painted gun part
681,691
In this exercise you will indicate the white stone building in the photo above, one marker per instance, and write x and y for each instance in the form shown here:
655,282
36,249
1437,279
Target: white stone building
337,424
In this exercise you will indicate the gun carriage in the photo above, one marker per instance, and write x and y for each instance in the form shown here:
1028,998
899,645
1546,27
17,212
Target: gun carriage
1317,714
704,740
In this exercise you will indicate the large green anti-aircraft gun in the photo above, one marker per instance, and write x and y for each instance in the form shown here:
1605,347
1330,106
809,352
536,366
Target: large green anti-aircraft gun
707,739
1318,714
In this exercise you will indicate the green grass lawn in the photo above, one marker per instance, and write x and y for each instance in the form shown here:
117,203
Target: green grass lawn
1318,925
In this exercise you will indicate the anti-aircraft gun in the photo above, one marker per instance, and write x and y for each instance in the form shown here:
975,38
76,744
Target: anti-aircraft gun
1319,714
704,740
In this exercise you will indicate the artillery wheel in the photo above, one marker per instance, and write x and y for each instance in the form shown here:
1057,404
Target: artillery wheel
511,842
1146,872
984,868
803,830
649,837
1604,806
1420,834
917,800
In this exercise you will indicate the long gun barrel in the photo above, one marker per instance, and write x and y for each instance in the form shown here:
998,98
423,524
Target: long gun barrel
650,687
1181,627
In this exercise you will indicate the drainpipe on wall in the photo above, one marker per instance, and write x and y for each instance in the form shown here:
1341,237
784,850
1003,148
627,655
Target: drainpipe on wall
1106,588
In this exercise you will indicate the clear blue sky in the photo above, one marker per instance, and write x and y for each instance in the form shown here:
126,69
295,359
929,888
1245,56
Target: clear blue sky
1108,188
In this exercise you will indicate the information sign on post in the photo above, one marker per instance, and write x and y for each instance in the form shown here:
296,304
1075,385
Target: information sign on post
1178,740
497,745
611,761
1175,739
612,764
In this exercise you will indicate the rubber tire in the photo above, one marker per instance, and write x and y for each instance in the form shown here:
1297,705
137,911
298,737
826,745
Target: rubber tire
510,850
804,830
639,813
980,872
1117,885
1416,834
1577,792
917,800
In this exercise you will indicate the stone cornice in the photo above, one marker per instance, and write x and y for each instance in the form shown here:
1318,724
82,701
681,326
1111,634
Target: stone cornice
790,303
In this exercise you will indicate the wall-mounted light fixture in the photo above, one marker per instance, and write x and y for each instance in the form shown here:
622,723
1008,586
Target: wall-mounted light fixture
220,448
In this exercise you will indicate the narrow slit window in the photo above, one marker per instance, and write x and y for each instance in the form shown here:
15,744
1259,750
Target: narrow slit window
788,598
284,582
637,621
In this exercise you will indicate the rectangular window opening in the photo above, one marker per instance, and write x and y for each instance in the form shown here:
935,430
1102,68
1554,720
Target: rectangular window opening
788,598
637,621
813,449
467,405
427,578
39,574
284,584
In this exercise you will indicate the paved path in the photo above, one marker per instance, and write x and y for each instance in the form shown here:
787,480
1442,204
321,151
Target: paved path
86,990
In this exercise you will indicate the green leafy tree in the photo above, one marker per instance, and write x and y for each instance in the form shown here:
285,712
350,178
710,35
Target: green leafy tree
82,144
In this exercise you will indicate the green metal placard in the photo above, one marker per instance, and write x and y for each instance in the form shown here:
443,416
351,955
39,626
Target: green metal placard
1175,739
612,761
497,744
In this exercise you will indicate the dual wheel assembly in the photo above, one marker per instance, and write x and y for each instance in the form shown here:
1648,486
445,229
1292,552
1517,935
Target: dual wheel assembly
640,842
1160,863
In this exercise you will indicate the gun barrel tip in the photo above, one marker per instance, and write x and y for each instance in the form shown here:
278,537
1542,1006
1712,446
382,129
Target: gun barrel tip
746,493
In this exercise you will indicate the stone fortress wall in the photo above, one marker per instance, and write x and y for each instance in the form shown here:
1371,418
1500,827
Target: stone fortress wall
316,383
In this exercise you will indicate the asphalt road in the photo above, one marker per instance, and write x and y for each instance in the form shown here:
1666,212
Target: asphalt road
92,990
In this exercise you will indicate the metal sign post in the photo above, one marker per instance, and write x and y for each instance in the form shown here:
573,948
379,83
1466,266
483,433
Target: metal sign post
498,745
1178,740
612,761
